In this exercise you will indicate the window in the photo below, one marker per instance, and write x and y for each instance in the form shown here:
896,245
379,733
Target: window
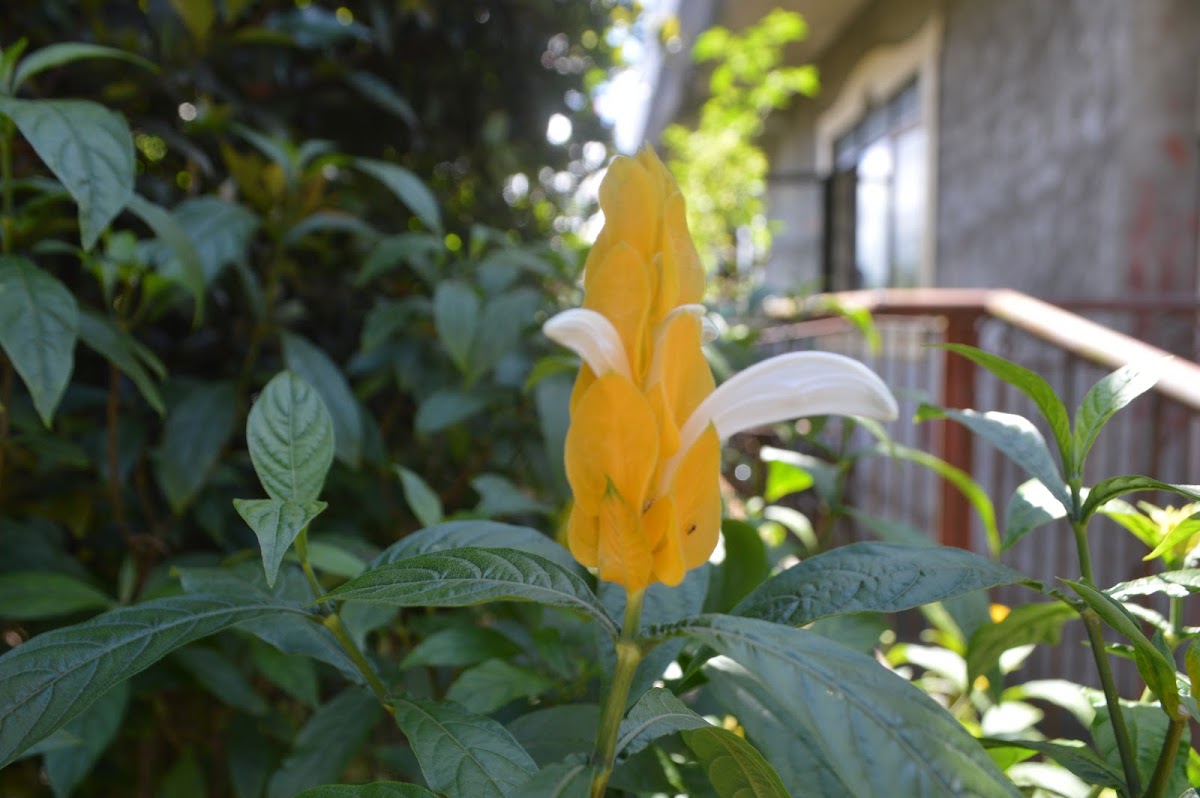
883,157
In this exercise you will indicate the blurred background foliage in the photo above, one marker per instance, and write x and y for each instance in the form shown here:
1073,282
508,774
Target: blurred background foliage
369,193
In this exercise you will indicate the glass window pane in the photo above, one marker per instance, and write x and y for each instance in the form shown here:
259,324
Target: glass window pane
909,197
871,230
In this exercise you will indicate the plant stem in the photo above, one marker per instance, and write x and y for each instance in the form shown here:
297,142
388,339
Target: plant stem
6,204
629,654
1095,632
1166,759
333,622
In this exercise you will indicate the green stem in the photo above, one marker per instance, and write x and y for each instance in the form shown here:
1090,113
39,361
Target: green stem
629,654
1095,633
1166,759
1176,619
333,622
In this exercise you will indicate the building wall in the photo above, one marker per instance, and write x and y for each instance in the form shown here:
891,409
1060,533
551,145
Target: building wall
1033,111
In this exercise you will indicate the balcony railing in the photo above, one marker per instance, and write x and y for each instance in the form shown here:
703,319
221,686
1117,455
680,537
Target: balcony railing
1157,435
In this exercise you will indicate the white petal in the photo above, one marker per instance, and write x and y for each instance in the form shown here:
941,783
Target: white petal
791,386
591,336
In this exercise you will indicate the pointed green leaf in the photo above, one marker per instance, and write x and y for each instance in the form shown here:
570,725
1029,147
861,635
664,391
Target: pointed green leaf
171,233
496,683
383,95
58,674
1033,386
1028,624
1020,441
481,534
1074,755
123,351
197,15
33,595
881,577
219,230
445,408
1154,667
557,734
95,729
1191,660
1108,396
1176,584
1111,488
294,675
839,700
1032,505
413,248
560,780
498,496
421,498
407,187
1147,726
88,148
326,743
315,367
461,753
458,646
198,427
39,319
54,55
656,714
456,315
504,320
290,437
1184,532
376,789
221,678
468,576
734,767
276,524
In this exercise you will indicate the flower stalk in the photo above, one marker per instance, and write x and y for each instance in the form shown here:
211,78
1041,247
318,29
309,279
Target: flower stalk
629,655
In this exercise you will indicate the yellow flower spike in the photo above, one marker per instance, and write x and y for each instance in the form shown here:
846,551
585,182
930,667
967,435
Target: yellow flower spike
643,452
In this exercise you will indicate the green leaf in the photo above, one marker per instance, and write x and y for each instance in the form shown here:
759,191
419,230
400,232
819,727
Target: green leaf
498,496
656,714
784,478
504,320
376,789
824,475
54,55
445,408
881,577
961,480
290,437
123,351
1176,584
292,674
39,319
1028,624
407,187
95,729
495,683
1106,490
219,230
185,779
1032,505
276,524
221,678
1147,727
744,568
734,767
58,674
456,315
557,733
326,743
88,148
413,248
198,427
1108,396
1033,386
1020,441
1154,667
836,700
1074,755
461,753
198,17
313,366
172,234
480,534
458,646
1180,534
560,780
383,95
468,576
34,595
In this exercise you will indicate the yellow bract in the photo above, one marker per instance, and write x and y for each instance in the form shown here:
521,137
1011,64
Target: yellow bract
632,520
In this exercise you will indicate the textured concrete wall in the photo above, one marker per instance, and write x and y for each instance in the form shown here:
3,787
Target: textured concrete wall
1032,113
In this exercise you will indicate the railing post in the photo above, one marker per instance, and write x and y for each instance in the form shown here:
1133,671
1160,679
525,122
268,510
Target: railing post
958,391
